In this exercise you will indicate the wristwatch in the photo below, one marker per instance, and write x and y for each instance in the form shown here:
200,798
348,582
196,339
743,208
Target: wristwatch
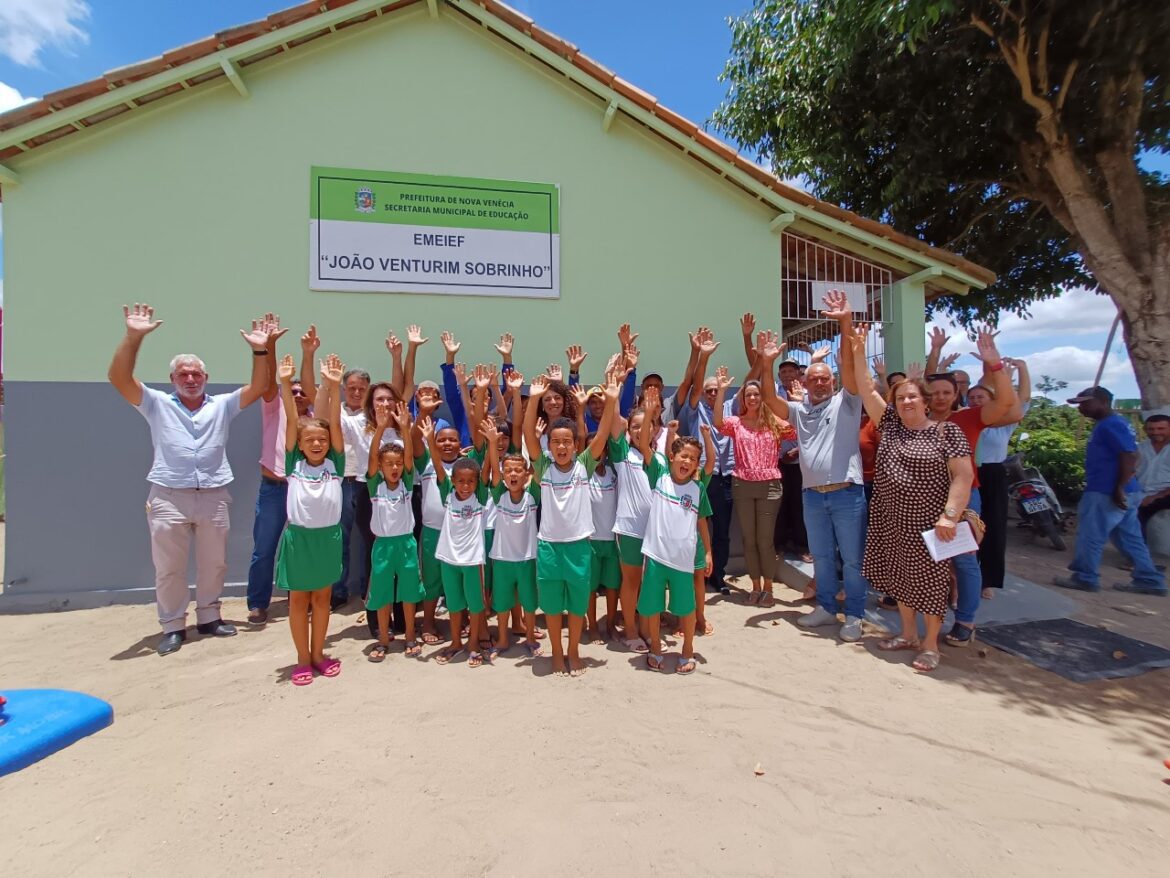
951,513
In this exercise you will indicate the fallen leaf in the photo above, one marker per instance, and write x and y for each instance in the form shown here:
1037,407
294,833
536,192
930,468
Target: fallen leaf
759,769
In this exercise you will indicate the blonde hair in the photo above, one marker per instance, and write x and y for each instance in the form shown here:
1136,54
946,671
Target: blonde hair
767,416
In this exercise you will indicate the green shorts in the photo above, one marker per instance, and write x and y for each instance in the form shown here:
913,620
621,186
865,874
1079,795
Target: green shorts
562,576
488,538
700,556
512,580
630,550
604,571
656,579
463,587
394,560
432,579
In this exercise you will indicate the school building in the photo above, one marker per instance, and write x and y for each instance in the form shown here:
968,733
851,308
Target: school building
362,165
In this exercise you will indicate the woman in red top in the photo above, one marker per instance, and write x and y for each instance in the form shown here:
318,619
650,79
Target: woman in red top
755,486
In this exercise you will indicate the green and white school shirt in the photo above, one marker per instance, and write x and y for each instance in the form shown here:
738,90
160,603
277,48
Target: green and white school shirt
314,492
392,515
565,513
515,538
603,502
432,502
633,507
672,529
461,534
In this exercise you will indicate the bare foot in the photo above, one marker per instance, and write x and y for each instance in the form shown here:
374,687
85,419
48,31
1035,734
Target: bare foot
558,663
988,593
578,669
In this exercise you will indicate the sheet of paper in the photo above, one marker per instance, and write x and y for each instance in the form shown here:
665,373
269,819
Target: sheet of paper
963,542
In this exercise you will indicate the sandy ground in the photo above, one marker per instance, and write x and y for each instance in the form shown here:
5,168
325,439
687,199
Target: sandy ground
215,764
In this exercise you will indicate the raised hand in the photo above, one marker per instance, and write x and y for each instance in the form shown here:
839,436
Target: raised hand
515,381
821,354
576,355
613,389
382,417
768,346
836,306
747,324
625,336
489,430
286,369
581,394
705,429
672,426
428,405
450,345
310,341
631,355
414,336
402,413
460,370
271,324
140,320
795,391
258,337
482,375
707,343
879,365
949,360
541,425
985,342
538,387
393,344
426,427
914,371
332,369
938,338
722,379
694,337
504,345
554,372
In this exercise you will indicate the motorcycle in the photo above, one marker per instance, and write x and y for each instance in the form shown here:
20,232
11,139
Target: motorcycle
1035,500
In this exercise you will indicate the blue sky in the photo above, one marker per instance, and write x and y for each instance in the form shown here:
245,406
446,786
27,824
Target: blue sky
674,49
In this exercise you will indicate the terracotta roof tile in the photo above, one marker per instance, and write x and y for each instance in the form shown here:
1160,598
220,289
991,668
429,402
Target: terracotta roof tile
10,152
627,89
150,97
349,22
304,11
191,51
106,114
260,56
75,94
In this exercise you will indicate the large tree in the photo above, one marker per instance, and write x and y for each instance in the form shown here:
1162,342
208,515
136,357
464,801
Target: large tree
1009,131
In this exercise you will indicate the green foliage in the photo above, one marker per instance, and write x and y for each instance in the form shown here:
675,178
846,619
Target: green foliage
1054,448
1047,384
907,111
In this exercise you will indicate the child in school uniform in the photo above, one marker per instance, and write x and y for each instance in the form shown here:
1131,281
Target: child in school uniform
426,465
309,556
394,572
679,509
605,575
460,549
633,511
563,555
513,551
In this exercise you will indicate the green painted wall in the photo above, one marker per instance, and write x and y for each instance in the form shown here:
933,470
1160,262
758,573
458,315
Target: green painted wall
201,208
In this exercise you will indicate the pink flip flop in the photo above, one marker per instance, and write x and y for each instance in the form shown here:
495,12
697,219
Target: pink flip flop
331,667
302,675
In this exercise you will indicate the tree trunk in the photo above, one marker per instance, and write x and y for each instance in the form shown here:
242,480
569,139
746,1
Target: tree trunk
1145,320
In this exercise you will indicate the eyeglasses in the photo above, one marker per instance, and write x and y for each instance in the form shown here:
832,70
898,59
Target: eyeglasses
942,376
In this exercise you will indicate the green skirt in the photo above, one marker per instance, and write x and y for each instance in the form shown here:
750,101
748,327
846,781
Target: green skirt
309,558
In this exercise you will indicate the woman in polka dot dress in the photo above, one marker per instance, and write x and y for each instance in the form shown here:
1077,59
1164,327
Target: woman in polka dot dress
922,480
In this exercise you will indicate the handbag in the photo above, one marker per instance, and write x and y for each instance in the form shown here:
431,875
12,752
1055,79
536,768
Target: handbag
978,525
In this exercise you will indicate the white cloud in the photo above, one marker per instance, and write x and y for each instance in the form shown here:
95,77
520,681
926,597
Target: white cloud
1079,367
28,26
10,98
1075,312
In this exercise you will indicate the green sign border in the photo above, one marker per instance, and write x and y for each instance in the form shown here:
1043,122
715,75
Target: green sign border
400,198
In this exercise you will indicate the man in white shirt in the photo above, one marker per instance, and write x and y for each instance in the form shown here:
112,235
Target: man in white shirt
1153,469
189,476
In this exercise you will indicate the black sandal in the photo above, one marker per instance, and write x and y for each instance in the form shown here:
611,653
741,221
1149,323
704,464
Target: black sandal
960,635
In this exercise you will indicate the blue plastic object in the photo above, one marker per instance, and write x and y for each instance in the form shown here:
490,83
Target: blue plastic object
39,722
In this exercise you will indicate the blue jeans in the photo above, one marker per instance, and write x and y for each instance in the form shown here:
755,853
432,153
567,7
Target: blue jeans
719,496
969,575
836,523
1098,519
266,530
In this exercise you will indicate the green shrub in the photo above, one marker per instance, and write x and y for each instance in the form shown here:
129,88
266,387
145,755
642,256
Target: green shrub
1058,455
